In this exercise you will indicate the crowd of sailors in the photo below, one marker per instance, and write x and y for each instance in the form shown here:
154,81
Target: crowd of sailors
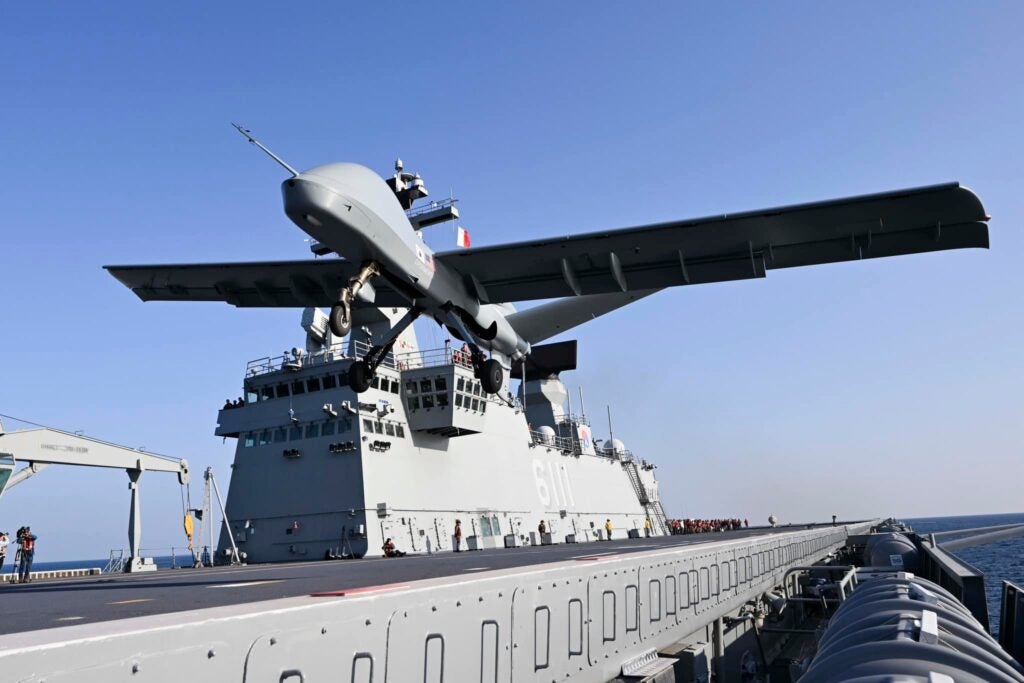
705,526
229,404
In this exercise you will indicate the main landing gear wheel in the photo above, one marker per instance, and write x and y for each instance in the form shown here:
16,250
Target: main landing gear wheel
340,319
359,376
491,376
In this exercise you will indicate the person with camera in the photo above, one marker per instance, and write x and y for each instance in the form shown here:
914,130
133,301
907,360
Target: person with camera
27,541
3,549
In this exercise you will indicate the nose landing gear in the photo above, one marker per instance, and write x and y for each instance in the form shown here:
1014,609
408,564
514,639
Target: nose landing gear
340,319
361,372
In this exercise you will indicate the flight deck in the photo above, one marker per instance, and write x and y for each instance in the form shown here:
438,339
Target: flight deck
52,604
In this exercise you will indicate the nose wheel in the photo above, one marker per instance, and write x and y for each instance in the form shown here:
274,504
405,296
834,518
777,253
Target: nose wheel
340,319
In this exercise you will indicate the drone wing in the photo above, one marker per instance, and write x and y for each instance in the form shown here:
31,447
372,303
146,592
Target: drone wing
727,247
256,284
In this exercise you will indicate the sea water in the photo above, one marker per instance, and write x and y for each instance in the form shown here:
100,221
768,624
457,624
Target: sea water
1000,561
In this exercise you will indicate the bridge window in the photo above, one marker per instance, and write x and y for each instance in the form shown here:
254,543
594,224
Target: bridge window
428,401
389,429
414,403
485,526
495,527
327,429
313,384
394,386
368,426
425,386
399,431
410,387
475,404
250,440
461,384
264,437
280,434
378,428
295,433
483,406
375,382
312,431
330,382
442,400
440,384
458,400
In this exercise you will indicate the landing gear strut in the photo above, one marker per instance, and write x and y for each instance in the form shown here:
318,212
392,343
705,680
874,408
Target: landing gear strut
487,370
361,372
340,319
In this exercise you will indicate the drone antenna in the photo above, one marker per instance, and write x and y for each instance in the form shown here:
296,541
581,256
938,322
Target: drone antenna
248,134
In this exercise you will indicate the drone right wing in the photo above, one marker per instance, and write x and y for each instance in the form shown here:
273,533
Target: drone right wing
726,247
294,284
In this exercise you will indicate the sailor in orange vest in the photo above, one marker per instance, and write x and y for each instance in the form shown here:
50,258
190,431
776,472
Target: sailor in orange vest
27,541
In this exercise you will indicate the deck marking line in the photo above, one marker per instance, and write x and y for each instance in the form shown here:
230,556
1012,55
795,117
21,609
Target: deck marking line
362,589
475,569
70,618
129,602
245,584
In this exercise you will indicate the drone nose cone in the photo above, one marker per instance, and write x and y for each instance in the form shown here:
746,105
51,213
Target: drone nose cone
316,207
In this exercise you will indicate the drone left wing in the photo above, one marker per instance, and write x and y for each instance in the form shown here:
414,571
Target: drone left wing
728,247
256,284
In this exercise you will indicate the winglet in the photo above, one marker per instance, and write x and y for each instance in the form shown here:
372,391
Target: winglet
248,134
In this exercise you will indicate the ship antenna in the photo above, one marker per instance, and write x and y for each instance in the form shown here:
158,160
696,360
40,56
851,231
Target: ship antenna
611,435
248,134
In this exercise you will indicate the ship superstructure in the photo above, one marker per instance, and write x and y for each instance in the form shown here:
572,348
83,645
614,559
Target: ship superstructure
321,471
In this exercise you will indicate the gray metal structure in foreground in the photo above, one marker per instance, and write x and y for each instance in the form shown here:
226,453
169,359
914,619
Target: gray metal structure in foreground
42,447
579,619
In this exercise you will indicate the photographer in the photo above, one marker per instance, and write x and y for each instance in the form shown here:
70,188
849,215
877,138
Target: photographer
27,541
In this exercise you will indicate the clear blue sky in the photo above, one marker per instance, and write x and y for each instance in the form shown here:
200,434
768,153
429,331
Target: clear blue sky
902,378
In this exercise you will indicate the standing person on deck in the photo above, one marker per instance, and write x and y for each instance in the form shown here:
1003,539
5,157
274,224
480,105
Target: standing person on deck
458,535
28,552
608,528
647,527
3,549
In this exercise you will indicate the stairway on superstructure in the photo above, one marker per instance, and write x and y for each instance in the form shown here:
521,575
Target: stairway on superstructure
653,508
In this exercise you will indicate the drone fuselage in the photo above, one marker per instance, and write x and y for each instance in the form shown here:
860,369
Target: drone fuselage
352,210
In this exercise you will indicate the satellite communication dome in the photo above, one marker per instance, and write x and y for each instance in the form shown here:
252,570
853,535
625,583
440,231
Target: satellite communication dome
615,446
547,434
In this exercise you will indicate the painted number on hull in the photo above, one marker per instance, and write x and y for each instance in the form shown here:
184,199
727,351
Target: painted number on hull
553,485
